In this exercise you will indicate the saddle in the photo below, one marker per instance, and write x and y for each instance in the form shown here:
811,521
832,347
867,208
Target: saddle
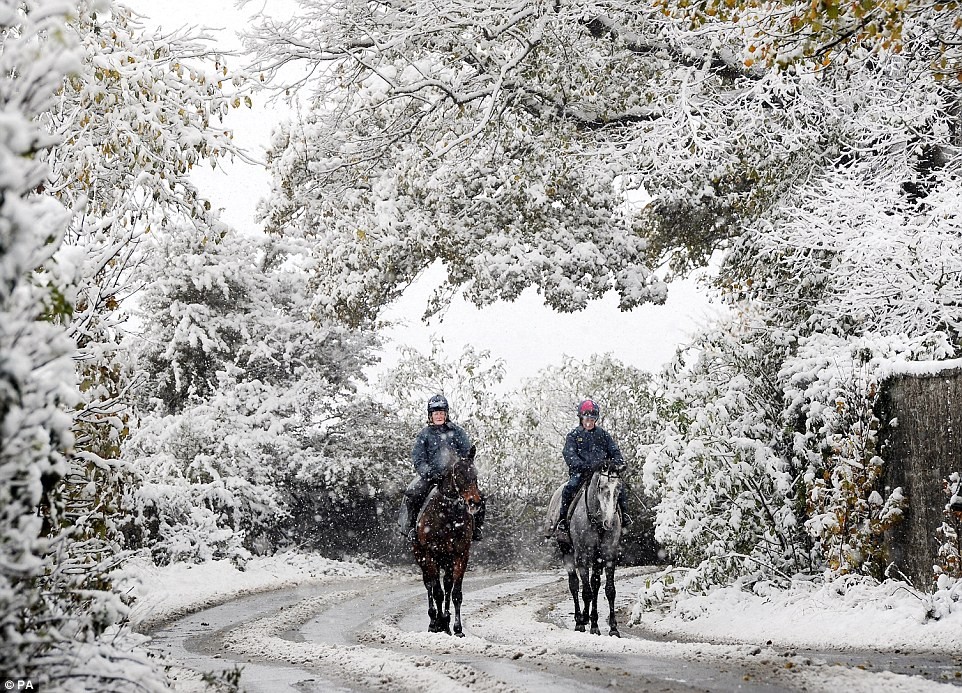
554,506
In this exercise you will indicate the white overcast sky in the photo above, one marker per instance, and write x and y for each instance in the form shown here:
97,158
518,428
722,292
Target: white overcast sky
525,334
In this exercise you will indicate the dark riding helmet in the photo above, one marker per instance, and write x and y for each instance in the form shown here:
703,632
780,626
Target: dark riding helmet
437,403
588,409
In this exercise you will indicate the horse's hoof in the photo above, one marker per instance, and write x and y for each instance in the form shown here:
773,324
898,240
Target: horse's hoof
459,634
596,631
580,628
614,632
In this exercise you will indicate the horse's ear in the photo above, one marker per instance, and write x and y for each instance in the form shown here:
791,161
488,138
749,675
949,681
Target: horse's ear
471,453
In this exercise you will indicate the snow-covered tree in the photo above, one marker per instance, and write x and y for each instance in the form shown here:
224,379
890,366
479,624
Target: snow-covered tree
500,141
497,140
786,33
36,382
503,141
139,114
724,490
251,411
131,121
849,277
53,615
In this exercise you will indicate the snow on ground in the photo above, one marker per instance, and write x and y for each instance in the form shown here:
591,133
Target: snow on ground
163,594
844,613
840,614
510,620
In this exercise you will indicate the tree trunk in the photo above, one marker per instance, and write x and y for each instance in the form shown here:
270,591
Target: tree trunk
921,434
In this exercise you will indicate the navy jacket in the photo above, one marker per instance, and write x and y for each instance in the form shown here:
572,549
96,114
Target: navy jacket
586,451
433,446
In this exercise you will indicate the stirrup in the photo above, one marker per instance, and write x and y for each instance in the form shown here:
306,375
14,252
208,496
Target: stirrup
626,520
562,533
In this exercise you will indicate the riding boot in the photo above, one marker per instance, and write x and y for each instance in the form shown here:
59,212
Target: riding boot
478,523
410,532
414,497
567,495
563,534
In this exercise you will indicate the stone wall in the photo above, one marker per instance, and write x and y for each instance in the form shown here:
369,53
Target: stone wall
921,433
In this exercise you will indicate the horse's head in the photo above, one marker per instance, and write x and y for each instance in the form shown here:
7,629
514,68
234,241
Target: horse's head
460,481
603,493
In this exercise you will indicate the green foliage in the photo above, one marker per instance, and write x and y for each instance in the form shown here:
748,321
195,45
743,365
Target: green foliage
949,559
846,510
829,31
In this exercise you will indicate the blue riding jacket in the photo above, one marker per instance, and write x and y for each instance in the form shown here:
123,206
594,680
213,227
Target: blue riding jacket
586,451
433,445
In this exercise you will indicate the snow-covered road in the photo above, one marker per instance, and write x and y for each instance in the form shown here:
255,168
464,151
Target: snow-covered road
369,634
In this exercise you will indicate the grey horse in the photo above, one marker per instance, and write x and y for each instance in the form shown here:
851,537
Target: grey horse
595,525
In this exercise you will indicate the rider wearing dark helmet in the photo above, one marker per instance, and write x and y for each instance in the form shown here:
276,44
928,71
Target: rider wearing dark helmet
433,445
586,449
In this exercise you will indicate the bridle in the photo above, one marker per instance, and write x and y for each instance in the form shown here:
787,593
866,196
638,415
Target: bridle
609,473
452,477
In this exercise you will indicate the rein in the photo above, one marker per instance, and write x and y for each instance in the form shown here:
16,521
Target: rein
458,497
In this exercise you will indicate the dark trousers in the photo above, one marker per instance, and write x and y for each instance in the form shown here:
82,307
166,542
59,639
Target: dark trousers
568,494
414,496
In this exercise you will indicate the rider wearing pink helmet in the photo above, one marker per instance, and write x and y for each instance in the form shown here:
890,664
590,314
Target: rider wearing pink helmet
586,448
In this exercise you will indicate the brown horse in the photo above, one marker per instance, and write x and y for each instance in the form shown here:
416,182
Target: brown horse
443,540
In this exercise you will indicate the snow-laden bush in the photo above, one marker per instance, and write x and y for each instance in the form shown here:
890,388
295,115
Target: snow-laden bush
745,488
949,562
846,279
59,615
724,490
831,389
252,433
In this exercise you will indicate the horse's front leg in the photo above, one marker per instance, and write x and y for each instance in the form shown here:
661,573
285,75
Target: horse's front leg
460,567
610,594
584,572
569,563
433,587
595,588
445,618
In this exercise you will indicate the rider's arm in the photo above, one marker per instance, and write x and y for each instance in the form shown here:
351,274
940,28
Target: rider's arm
576,464
419,455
